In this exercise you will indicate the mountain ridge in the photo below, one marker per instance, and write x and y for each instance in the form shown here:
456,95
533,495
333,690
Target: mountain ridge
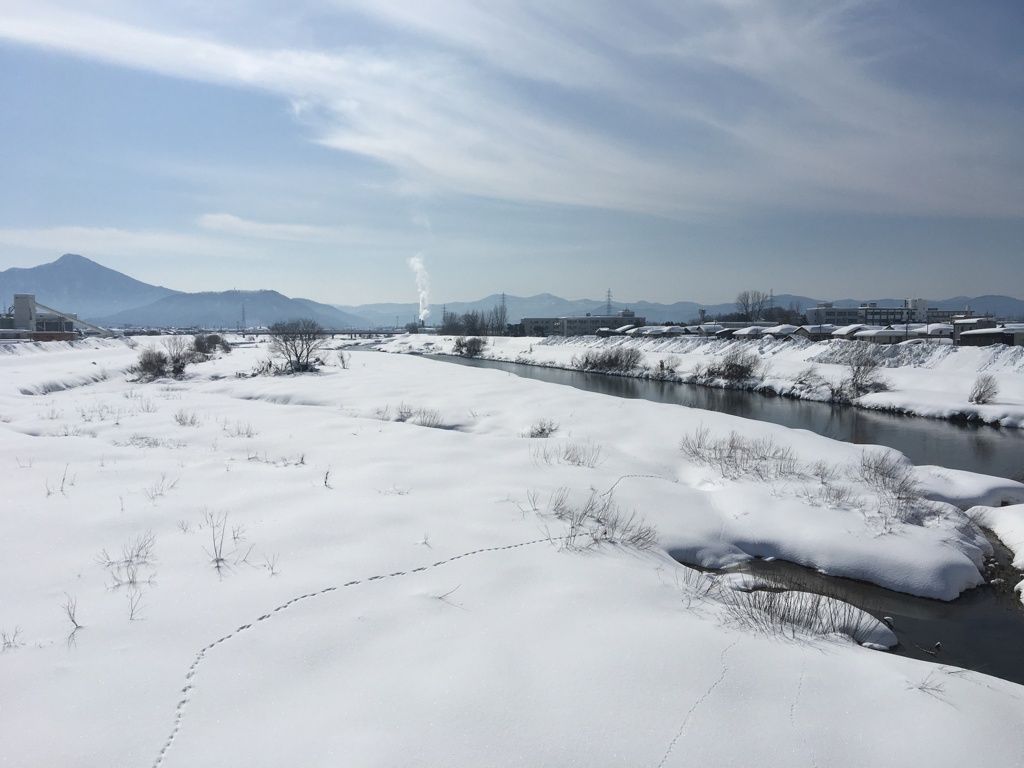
74,283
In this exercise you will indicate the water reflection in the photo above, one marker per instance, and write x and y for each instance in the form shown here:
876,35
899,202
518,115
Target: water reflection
976,448
980,630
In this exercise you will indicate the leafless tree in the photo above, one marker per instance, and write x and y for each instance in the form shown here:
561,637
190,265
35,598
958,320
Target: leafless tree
751,304
497,319
475,323
864,365
297,341
985,389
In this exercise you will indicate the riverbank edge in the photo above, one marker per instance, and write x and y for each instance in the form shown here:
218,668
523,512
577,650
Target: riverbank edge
757,386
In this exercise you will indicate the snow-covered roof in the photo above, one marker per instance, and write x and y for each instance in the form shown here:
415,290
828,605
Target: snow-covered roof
780,330
1008,328
819,328
874,333
846,330
752,330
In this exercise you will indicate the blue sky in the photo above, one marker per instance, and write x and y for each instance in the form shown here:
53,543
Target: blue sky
665,150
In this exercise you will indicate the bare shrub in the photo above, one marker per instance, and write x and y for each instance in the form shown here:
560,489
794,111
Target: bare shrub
863,363
221,558
70,608
159,488
985,390
824,470
588,455
542,428
239,429
206,345
735,366
428,417
736,456
152,364
832,494
135,565
600,521
617,359
780,612
900,497
187,419
666,368
180,353
619,527
11,640
469,347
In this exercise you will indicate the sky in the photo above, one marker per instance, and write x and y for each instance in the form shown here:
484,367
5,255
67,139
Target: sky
663,150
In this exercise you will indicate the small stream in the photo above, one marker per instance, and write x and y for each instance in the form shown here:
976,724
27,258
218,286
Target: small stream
983,629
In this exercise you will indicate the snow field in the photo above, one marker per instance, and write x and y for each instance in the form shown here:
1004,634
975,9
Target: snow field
397,594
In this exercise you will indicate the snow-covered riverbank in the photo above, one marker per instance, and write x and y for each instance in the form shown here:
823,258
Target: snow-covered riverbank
924,379
390,565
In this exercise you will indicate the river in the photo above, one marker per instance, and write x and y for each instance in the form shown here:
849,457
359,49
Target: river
983,629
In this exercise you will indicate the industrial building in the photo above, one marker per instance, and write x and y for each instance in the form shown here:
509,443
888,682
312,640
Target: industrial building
28,319
912,311
587,325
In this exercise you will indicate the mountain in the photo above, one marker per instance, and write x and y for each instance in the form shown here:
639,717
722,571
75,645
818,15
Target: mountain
225,309
76,284
548,305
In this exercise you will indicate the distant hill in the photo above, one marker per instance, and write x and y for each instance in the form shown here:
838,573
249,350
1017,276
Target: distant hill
548,305
76,284
225,310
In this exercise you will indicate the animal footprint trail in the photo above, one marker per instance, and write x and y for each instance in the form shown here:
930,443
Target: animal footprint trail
179,711
698,702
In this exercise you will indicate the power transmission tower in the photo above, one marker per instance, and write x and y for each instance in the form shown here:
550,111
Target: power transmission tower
608,302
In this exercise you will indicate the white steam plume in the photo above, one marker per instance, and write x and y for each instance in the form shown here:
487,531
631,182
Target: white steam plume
422,284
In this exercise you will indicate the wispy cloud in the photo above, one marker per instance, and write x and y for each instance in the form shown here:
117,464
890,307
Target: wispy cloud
117,242
659,107
296,233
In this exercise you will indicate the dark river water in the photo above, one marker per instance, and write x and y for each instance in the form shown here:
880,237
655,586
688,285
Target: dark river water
983,629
